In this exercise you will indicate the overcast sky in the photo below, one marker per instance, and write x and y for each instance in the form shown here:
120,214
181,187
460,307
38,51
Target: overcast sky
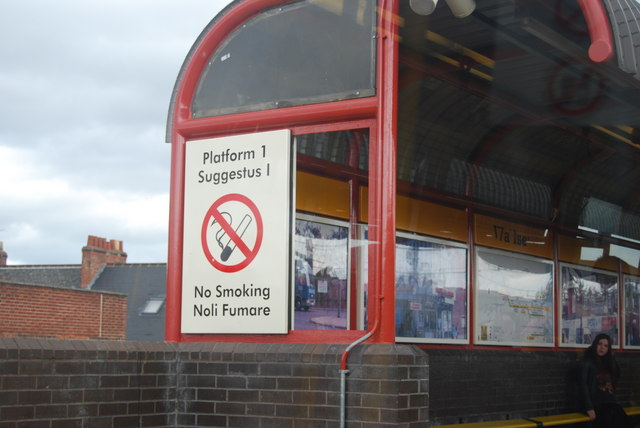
84,92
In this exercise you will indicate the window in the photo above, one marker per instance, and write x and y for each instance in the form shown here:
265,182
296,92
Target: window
330,262
504,115
431,290
589,304
631,311
349,147
514,299
152,306
306,52
321,274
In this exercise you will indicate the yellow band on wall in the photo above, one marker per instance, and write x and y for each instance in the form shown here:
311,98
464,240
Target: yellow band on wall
422,217
321,195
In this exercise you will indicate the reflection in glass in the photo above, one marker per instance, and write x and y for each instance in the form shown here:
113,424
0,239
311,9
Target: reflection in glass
480,123
362,277
631,311
321,272
431,290
589,305
628,255
514,299
349,147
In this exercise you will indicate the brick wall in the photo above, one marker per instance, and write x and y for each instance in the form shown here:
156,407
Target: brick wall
296,385
66,384
134,384
49,383
62,313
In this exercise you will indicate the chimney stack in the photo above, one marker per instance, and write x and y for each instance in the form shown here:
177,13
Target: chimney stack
98,253
3,256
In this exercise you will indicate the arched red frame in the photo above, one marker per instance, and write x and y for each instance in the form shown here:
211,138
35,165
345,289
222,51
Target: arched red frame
382,109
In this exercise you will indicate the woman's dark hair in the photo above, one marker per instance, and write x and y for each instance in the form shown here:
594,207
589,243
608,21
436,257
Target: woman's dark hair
606,363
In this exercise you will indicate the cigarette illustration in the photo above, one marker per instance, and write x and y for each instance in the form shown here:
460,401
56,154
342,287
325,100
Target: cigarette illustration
229,246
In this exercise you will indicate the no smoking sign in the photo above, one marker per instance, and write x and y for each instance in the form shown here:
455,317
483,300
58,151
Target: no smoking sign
232,233
237,234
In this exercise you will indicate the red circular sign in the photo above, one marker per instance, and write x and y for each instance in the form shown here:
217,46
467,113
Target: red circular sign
249,250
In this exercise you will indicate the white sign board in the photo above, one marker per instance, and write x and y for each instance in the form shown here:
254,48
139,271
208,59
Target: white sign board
237,230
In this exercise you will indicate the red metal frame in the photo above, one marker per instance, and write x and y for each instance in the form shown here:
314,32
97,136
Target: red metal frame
382,188
319,117
601,48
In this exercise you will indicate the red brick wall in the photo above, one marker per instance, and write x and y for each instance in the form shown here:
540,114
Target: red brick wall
60,313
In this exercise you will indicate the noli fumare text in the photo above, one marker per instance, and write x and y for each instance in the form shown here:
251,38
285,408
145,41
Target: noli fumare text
225,309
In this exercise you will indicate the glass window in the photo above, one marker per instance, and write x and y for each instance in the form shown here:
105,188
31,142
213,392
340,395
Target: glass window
589,304
505,109
514,299
330,237
292,55
631,311
431,290
350,147
152,306
321,274
505,113
362,276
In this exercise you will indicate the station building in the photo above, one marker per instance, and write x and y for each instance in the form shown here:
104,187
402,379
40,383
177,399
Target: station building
458,177
397,213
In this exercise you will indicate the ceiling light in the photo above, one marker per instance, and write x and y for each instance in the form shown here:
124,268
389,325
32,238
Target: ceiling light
423,7
461,8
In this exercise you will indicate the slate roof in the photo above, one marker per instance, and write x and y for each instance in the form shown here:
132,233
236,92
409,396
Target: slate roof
140,282
67,276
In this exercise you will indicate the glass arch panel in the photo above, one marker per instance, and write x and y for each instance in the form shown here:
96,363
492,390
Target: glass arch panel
307,52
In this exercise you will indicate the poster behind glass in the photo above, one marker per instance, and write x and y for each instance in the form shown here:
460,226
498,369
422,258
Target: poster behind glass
514,299
589,305
431,290
631,311
321,289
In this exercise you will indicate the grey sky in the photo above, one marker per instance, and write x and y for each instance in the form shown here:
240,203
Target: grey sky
84,91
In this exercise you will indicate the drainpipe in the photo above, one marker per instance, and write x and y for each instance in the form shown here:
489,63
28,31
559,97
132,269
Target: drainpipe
344,371
386,118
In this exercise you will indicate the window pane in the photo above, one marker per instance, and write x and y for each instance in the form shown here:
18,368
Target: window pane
589,304
152,306
514,299
632,311
321,285
349,147
505,114
504,108
431,290
331,200
292,55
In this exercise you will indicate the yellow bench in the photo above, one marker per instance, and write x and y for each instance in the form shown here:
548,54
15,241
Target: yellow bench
563,419
632,411
536,422
510,423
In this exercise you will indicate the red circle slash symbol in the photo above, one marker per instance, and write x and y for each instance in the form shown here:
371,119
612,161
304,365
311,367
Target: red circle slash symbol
230,238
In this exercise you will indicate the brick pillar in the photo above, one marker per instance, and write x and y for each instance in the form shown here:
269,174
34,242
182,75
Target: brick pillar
3,256
98,253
